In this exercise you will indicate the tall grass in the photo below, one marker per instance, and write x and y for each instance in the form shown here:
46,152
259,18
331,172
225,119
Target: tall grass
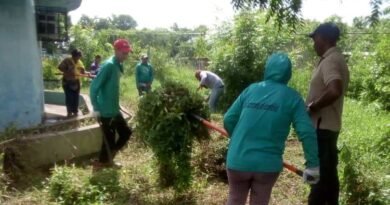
364,163
364,143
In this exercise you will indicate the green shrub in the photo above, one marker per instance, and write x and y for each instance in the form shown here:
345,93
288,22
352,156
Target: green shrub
360,185
70,185
364,161
165,125
49,66
64,187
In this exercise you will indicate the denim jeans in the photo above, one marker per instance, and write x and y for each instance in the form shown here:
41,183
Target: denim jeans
214,96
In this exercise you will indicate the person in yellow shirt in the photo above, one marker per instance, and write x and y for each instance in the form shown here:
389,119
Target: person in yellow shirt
72,68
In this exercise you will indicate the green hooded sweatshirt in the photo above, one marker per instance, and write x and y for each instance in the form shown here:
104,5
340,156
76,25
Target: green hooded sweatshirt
104,91
259,122
143,73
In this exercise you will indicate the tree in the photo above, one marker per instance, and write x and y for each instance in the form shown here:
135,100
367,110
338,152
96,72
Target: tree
123,22
103,23
287,11
86,21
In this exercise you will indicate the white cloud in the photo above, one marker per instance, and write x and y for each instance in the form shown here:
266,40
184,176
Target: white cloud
158,13
192,13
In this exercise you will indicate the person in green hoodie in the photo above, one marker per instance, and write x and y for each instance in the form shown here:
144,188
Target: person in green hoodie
104,94
144,75
259,122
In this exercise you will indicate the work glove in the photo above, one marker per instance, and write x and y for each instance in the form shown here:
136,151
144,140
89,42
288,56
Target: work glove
96,114
311,175
142,85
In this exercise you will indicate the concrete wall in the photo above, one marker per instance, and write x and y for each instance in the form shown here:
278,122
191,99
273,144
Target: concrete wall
43,150
21,83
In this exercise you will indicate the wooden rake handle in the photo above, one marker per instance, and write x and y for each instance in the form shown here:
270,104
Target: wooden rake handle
223,132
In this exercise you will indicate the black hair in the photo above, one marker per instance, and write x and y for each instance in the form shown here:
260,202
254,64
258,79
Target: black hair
76,53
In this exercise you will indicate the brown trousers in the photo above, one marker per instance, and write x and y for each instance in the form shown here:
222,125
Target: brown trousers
259,183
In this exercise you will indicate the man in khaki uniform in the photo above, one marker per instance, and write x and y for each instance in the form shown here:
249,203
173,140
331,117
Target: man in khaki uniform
325,100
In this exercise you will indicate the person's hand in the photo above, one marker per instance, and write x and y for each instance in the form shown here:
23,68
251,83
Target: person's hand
142,84
311,108
311,175
96,114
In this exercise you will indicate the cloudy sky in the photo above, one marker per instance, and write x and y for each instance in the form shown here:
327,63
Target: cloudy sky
191,13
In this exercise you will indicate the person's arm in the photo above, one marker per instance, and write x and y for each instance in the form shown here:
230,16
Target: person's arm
97,83
63,66
306,133
137,75
203,77
233,114
151,74
332,92
82,67
334,87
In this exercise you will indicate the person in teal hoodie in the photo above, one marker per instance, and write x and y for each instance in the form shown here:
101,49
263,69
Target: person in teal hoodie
144,75
259,122
104,94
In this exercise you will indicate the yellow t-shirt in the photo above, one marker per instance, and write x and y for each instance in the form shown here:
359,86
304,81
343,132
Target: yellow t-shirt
79,68
70,69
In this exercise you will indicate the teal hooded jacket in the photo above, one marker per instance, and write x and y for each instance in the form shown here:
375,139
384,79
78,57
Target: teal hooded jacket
259,122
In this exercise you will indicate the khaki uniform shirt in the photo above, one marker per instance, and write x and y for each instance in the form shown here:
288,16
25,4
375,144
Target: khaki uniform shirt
331,66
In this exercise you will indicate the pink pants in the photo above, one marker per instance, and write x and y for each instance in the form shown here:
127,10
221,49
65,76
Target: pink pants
260,184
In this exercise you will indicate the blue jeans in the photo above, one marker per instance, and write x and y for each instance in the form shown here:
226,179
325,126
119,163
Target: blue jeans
214,96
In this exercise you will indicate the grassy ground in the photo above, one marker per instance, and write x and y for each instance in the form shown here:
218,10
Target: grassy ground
136,182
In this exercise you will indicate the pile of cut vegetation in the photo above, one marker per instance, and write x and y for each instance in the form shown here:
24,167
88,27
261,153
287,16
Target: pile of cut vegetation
165,124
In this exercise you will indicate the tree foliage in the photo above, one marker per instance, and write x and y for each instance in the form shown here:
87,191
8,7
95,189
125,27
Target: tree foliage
288,11
240,51
121,22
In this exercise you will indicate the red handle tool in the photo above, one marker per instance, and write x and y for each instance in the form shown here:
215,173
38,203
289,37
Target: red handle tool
222,131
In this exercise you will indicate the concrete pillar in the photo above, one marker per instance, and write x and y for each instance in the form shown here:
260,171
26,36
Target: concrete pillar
21,83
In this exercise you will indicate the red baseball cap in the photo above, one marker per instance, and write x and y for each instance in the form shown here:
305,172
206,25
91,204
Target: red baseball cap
123,45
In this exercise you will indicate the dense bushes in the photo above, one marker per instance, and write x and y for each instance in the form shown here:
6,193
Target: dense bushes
165,124
240,51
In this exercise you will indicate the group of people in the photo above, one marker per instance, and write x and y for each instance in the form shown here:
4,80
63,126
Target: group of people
104,94
258,122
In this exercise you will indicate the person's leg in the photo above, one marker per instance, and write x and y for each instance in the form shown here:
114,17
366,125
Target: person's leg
68,97
327,189
124,132
73,101
261,188
139,91
213,100
332,179
239,184
108,144
76,98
